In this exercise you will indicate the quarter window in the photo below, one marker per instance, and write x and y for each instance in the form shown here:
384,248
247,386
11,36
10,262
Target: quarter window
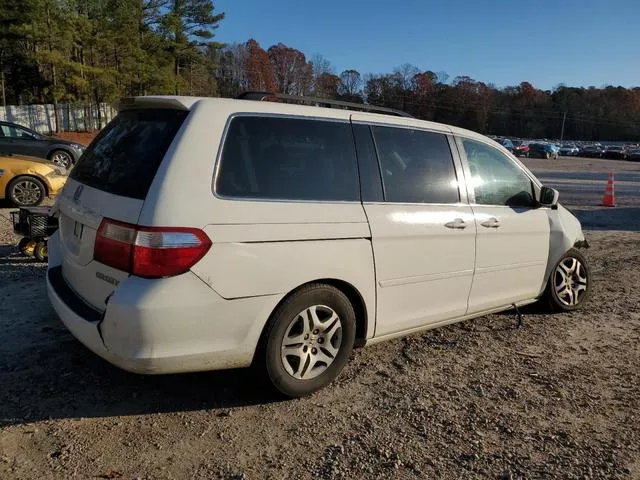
495,178
289,159
417,166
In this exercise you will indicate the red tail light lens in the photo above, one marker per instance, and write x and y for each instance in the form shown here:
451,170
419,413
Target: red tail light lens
114,244
150,252
163,252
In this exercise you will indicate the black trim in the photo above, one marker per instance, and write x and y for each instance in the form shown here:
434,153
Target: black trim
368,166
70,298
321,102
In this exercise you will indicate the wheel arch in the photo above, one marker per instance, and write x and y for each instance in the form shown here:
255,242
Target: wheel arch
351,292
358,303
63,148
565,233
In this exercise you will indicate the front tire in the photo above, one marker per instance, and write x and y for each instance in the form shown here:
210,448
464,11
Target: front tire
569,285
309,340
26,191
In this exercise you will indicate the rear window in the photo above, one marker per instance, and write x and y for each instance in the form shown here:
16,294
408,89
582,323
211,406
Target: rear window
124,158
288,159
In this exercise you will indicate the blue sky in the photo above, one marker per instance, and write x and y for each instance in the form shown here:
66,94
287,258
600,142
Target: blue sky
545,42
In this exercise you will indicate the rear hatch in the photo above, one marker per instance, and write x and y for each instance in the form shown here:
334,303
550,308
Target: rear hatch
109,185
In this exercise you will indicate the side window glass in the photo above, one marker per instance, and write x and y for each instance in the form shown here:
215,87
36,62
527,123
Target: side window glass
288,159
15,132
496,180
10,132
21,133
417,166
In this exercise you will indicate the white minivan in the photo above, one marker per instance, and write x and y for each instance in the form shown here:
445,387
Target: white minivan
207,233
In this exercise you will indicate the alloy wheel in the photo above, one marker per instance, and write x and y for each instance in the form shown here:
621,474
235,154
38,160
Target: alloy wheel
62,158
311,342
27,192
570,281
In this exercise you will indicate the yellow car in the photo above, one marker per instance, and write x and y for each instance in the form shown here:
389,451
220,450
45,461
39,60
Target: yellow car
26,181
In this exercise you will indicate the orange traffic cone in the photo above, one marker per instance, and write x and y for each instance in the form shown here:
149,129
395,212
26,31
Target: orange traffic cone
609,199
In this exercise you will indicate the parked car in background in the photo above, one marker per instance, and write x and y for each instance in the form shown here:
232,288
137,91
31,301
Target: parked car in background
520,148
616,152
568,150
27,181
282,250
634,155
542,150
506,143
591,151
19,140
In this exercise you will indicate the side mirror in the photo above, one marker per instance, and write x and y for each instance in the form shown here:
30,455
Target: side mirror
548,197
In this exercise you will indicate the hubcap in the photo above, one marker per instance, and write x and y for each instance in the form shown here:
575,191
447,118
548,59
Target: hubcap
26,192
311,342
570,281
62,159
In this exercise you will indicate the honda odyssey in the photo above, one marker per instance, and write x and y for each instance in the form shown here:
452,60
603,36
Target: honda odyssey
207,233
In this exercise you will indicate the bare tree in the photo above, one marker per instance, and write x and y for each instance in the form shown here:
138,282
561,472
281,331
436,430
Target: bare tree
350,83
321,65
404,74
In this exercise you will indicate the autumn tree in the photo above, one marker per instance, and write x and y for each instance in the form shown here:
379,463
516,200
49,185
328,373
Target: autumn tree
96,51
292,73
258,68
425,91
327,85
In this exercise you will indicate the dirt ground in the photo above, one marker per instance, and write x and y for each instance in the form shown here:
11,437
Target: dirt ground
83,138
557,398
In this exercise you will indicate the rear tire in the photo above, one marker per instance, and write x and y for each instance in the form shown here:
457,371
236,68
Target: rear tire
26,191
61,158
569,284
308,340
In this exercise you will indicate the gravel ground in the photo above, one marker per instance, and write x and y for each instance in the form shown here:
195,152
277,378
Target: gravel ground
557,398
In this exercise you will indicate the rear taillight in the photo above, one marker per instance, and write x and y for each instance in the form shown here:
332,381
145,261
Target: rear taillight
150,252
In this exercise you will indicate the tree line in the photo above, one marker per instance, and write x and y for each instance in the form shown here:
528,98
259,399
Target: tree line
54,51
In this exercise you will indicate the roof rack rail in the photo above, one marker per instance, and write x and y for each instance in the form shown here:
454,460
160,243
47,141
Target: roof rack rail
317,101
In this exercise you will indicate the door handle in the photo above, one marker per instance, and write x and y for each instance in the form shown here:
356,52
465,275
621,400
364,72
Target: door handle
491,223
458,223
